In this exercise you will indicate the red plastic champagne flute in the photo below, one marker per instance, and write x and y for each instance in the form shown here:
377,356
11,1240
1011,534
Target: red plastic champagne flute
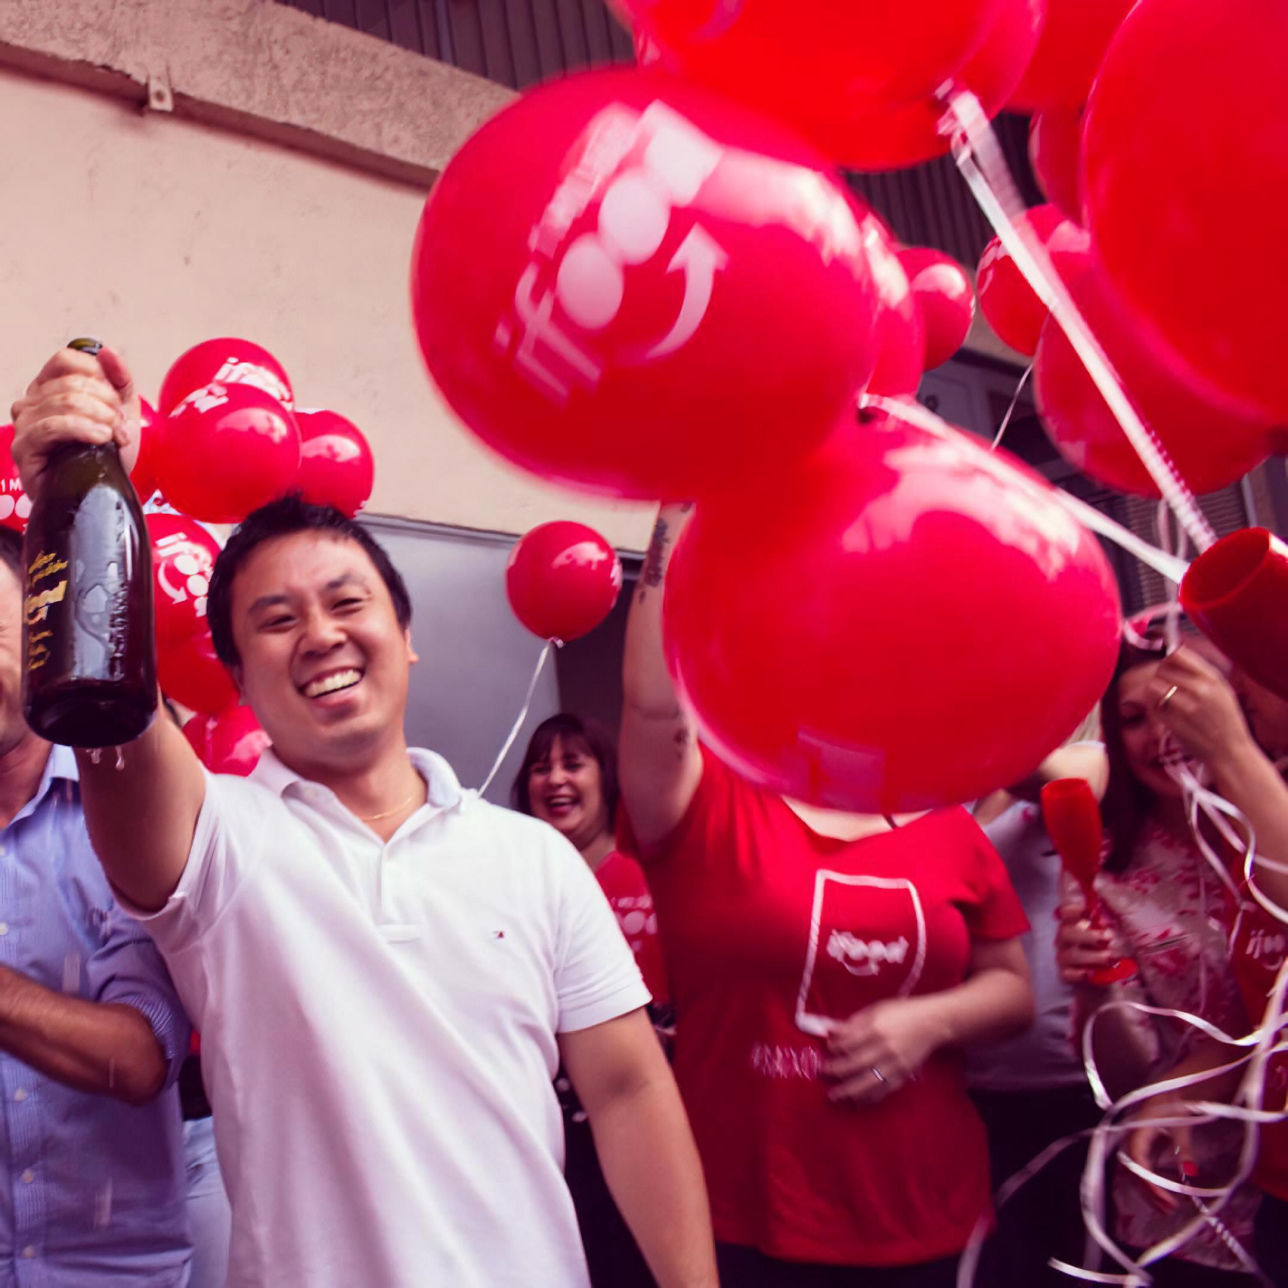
1072,817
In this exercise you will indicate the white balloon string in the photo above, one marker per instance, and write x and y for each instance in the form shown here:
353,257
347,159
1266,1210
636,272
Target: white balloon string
980,160
1160,561
546,649
1010,411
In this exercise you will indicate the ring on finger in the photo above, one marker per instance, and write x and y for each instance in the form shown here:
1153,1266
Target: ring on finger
1168,696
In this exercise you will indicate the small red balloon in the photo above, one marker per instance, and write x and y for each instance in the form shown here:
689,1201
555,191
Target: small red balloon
183,559
562,580
336,465
1185,178
624,283
1055,137
225,450
15,507
853,646
1209,443
228,743
796,58
901,344
1074,41
1008,302
191,673
143,476
945,300
225,361
880,133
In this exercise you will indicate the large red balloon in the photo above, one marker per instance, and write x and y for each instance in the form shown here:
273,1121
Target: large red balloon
1055,138
944,299
879,133
183,559
336,465
900,332
191,673
1185,169
225,361
624,283
562,580
1074,41
15,506
797,59
1210,444
1009,304
228,743
225,450
910,621
143,475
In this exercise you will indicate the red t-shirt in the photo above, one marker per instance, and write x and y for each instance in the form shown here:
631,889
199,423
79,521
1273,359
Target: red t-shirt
769,931
622,880
1258,949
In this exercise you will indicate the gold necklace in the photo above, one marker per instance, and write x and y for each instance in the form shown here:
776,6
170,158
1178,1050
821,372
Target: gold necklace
402,804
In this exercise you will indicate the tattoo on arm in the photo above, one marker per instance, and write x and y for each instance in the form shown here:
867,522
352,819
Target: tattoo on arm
655,557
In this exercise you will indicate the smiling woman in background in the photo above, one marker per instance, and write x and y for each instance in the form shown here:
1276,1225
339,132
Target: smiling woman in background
568,778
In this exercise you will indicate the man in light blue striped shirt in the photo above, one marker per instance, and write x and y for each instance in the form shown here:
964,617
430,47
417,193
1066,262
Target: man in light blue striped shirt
91,1033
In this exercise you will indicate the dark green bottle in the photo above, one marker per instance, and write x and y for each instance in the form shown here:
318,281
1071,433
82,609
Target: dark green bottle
89,656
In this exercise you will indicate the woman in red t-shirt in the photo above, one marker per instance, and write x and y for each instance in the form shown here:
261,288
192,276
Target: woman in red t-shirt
825,968
568,778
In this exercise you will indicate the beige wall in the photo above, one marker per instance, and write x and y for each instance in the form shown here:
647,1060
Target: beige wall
159,230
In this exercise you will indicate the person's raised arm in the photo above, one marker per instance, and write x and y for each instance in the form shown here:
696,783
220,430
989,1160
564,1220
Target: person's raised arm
142,814
1197,704
660,763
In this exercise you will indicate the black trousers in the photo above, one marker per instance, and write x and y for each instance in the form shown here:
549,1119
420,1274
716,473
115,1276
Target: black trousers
1044,1219
746,1268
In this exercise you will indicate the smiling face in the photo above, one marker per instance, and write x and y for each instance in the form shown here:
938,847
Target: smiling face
1147,748
566,790
323,660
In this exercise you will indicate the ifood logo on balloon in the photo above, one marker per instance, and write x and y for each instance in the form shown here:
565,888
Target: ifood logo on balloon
640,168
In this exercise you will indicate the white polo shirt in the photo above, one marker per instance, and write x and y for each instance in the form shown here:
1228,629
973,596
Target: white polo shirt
378,1030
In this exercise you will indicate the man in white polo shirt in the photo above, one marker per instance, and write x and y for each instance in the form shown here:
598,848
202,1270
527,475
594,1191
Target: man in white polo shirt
384,968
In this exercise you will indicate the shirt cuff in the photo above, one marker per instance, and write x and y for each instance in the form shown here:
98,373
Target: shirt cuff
168,1022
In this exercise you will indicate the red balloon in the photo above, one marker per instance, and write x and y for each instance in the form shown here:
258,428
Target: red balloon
901,343
228,743
945,300
336,465
562,580
1210,443
183,559
880,133
1074,41
910,621
1185,169
191,673
796,59
225,450
1008,302
623,283
1055,137
15,507
143,476
225,361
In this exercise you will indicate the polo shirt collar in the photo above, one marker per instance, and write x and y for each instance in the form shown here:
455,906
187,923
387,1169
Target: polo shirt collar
445,790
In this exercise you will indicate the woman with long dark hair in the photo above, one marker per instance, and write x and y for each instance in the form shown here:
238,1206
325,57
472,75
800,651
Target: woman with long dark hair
568,778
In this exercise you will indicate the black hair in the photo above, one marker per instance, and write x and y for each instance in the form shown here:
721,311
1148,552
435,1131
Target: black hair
569,728
280,518
1127,800
11,553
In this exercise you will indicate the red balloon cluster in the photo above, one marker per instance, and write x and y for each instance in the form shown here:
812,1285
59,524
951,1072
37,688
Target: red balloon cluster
855,644
562,580
229,743
625,283
15,508
229,439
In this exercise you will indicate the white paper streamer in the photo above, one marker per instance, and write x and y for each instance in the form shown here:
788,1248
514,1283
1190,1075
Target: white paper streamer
546,649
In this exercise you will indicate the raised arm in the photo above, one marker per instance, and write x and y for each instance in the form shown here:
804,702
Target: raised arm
660,763
1195,702
142,814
